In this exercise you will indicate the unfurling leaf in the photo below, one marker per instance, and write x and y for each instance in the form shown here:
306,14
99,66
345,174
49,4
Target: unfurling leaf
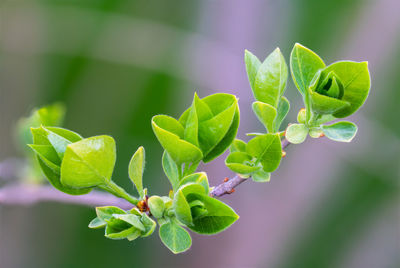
241,163
341,88
341,131
210,216
136,168
296,133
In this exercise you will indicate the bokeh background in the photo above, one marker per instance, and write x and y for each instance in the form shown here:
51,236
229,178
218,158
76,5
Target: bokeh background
116,63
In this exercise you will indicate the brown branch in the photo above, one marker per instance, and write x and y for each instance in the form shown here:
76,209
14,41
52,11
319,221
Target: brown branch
228,187
28,194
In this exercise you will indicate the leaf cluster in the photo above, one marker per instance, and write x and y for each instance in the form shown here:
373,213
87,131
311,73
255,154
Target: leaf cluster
75,165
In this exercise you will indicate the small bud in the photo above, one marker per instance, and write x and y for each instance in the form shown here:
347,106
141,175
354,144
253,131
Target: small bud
283,154
322,135
156,205
226,179
231,191
301,116
142,206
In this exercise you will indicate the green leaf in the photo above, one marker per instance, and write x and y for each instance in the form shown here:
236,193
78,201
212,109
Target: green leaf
198,178
227,140
241,163
149,225
356,81
118,229
261,176
48,155
136,168
212,131
322,104
252,66
97,223
296,133
106,213
266,114
238,146
218,217
89,162
174,237
171,170
191,133
304,64
270,81
218,117
170,134
54,179
282,111
131,219
58,138
341,131
267,149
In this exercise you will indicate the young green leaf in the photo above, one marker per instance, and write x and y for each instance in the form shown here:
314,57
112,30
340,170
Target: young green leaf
171,170
341,131
48,155
296,133
212,131
174,237
97,223
54,179
105,213
118,229
217,218
136,168
170,133
198,178
181,205
282,111
261,176
252,66
241,163
304,64
237,146
89,162
267,149
266,114
270,81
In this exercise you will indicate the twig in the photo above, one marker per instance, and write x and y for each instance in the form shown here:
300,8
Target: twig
26,194
228,187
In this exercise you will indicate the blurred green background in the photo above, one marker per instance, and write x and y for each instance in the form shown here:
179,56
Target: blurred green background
116,63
